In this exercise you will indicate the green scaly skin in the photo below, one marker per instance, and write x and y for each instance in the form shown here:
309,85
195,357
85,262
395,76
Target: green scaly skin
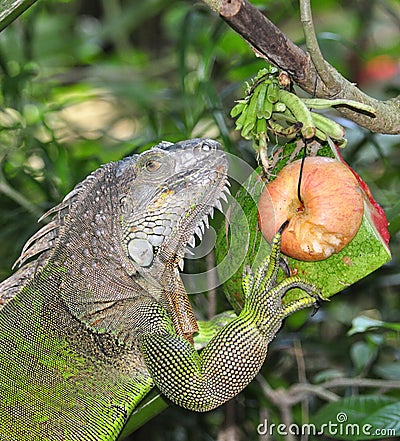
204,381
85,330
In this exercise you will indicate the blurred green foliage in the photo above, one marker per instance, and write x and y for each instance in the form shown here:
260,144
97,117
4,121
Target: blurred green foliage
87,82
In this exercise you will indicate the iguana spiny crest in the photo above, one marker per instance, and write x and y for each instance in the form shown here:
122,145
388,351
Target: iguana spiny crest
129,222
97,314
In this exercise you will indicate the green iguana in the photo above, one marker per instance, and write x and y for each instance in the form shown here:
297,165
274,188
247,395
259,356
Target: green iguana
87,324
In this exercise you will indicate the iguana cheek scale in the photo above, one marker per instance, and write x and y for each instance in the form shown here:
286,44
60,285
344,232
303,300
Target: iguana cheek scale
87,327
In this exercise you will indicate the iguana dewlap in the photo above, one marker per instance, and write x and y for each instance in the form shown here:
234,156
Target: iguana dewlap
97,312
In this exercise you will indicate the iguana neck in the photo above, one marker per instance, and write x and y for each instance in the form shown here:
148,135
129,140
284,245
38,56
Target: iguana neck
120,234
98,275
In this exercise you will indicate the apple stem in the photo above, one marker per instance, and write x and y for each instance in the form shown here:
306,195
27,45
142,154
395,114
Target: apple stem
301,173
283,226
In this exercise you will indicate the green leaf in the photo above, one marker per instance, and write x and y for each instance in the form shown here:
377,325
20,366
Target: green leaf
362,324
393,215
360,418
362,354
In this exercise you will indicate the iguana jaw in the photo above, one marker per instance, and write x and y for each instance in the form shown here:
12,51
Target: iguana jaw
196,221
177,202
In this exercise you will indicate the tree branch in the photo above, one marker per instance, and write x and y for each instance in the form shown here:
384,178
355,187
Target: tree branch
286,399
313,46
309,70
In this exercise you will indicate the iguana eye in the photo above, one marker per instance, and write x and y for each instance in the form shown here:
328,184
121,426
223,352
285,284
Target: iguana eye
151,165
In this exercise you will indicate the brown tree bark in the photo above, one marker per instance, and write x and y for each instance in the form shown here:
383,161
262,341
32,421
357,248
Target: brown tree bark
308,69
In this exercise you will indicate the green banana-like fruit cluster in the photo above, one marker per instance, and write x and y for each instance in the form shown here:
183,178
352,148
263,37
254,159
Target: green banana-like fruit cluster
269,107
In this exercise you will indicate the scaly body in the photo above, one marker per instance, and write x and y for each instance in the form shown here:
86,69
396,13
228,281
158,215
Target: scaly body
97,313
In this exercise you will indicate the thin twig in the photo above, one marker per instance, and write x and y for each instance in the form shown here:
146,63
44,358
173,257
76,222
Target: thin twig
313,48
270,43
229,430
361,382
264,418
297,392
282,401
301,371
285,399
301,389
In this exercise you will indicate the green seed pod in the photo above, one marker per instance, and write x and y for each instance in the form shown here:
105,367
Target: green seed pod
261,100
273,92
238,108
329,127
279,107
247,129
242,118
267,110
320,134
299,111
261,126
252,109
319,103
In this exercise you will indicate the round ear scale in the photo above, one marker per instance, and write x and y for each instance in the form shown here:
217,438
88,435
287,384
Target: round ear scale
141,251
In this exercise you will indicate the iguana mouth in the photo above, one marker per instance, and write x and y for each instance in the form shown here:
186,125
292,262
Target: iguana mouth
163,213
203,223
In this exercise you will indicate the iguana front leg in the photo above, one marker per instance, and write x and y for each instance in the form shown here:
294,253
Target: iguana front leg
234,356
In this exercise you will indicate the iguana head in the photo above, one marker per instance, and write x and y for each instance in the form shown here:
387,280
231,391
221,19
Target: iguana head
133,217
175,189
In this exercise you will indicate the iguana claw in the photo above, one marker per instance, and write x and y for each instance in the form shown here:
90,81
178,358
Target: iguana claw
264,283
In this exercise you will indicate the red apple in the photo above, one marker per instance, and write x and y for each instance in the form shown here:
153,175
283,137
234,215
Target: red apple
328,217
372,209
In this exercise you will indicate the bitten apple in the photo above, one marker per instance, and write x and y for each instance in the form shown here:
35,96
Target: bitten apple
327,218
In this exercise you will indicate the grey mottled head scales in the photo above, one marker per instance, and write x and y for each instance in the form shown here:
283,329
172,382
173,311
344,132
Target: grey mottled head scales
129,215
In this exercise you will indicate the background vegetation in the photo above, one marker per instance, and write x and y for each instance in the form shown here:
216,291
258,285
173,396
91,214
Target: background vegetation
87,82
